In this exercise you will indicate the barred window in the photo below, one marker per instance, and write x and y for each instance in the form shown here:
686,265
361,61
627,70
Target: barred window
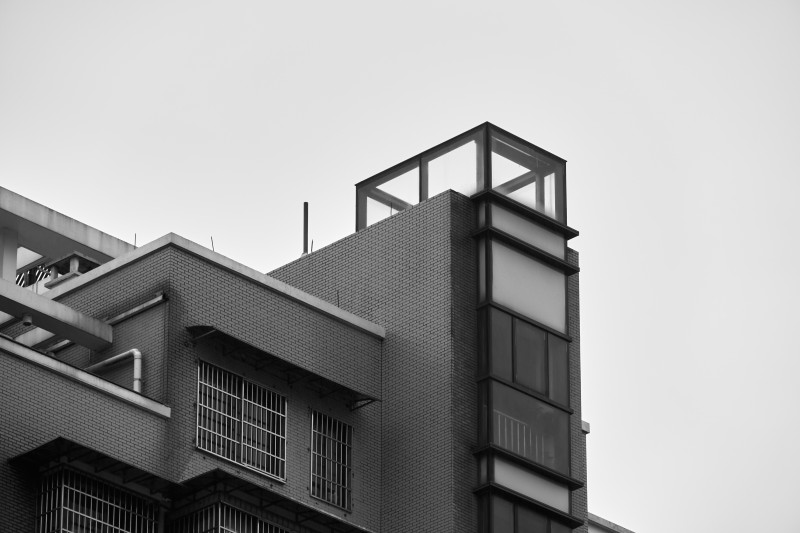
72,502
222,518
331,460
241,421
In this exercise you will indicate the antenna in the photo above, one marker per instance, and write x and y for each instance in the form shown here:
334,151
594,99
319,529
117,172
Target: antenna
305,228
212,244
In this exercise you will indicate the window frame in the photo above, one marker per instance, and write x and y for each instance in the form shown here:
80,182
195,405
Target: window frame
245,386
490,314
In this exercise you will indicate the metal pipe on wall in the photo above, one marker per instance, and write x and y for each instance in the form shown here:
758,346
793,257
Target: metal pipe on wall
137,366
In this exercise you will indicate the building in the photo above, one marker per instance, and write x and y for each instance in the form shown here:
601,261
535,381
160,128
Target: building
421,374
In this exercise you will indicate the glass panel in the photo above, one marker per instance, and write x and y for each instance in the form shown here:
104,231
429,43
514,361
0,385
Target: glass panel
483,339
528,287
531,484
482,207
559,369
527,231
482,270
502,515
528,176
456,169
529,427
376,211
500,344
529,521
404,187
530,356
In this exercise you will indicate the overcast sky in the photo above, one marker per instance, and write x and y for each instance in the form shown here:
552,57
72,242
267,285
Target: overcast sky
679,120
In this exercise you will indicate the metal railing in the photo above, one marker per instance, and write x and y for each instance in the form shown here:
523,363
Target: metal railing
331,460
241,421
73,502
518,437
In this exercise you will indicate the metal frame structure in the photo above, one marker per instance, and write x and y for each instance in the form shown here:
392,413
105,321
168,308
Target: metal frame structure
543,173
74,502
241,421
331,460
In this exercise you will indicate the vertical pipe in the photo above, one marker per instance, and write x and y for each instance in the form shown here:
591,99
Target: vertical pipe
305,228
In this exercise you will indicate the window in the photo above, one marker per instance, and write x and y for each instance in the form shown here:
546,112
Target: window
331,460
529,356
241,421
222,518
508,517
73,502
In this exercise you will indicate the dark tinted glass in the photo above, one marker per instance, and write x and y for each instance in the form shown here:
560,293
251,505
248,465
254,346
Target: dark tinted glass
530,356
559,369
555,527
529,521
500,344
483,348
529,427
502,516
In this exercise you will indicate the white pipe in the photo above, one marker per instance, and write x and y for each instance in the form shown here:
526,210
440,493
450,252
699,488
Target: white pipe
137,366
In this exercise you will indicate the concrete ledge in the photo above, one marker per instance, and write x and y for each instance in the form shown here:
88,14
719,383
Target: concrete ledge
47,229
55,317
84,378
601,525
226,263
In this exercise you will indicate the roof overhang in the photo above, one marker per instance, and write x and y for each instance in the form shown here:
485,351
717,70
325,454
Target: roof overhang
61,451
292,373
219,481
51,234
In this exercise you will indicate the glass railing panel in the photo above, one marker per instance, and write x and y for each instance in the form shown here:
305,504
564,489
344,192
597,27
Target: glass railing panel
393,193
530,428
458,169
404,187
377,211
528,176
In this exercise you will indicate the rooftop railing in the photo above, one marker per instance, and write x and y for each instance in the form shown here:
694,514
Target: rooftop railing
485,158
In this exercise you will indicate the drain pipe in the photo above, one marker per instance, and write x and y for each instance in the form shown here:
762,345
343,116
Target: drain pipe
137,366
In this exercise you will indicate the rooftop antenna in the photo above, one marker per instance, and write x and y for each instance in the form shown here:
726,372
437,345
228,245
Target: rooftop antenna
305,228
212,244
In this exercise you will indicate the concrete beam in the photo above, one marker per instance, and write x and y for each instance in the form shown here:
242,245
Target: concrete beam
33,337
51,234
9,242
55,317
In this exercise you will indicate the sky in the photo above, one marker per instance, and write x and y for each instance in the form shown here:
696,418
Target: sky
680,122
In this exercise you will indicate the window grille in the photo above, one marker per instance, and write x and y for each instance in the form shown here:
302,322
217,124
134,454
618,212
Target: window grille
222,518
241,421
516,436
331,460
71,502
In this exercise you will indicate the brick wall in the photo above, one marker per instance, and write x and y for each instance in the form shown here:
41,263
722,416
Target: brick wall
39,405
578,444
414,273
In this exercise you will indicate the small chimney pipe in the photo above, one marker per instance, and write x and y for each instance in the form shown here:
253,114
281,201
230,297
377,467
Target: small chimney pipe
305,228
